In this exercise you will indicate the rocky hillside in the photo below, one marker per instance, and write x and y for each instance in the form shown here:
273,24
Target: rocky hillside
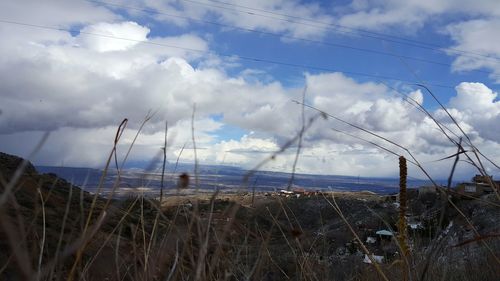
10,163
45,212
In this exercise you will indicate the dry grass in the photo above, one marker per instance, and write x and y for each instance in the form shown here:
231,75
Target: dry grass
226,237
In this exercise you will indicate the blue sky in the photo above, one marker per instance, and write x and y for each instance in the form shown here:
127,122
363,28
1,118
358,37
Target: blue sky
77,68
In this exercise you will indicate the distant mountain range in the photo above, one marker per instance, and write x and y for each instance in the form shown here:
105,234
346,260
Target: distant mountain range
226,178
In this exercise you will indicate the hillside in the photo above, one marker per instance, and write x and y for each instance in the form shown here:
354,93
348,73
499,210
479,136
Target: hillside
223,236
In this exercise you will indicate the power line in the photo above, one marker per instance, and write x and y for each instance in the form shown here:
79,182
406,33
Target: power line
312,20
330,44
321,22
232,56
354,31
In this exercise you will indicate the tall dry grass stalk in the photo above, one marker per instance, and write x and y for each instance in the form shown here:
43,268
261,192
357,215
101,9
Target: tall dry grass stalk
402,224
164,148
88,230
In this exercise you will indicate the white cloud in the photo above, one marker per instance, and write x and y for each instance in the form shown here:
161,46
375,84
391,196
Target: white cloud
245,152
479,39
336,154
61,84
269,14
410,15
476,98
471,25
131,32
280,16
374,107
478,107
60,13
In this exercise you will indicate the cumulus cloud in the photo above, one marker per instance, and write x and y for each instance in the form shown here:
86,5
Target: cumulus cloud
478,107
376,108
61,83
478,38
131,32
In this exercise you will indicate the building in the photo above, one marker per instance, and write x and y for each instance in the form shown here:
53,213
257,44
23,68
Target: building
478,186
427,189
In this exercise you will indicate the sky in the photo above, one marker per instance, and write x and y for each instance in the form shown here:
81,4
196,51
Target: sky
77,68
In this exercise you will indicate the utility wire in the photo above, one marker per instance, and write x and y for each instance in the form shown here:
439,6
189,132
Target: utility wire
330,44
232,56
354,31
